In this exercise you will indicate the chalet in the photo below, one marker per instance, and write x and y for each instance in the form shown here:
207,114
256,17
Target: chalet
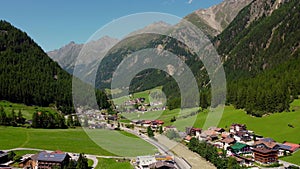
226,134
227,142
284,150
28,161
218,130
143,162
157,123
293,147
48,160
167,128
146,123
240,148
265,156
237,127
208,135
137,122
193,131
188,138
268,144
242,136
162,165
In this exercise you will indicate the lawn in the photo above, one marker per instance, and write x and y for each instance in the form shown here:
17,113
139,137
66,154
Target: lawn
70,140
143,94
121,144
74,140
295,158
27,111
112,164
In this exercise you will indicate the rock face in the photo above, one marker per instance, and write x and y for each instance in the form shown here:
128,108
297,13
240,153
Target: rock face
67,55
216,18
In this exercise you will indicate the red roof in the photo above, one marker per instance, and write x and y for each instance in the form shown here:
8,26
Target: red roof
159,121
196,129
57,152
293,146
188,138
147,121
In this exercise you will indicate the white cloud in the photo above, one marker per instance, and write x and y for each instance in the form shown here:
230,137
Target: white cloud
190,1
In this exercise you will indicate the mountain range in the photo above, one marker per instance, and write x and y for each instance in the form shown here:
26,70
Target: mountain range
257,40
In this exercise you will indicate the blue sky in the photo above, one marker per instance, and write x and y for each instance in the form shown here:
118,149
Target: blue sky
54,23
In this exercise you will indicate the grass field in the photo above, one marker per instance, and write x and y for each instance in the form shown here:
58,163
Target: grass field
112,164
121,144
72,140
143,94
27,111
295,158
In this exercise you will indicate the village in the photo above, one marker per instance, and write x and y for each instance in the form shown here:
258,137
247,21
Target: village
248,148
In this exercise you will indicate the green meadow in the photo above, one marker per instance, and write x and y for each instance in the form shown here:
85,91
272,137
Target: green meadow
112,164
74,140
27,111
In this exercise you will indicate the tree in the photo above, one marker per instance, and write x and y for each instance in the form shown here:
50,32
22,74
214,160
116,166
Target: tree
35,119
11,155
150,132
160,130
172,134
173,119
2,116
82,162
20,118
71,165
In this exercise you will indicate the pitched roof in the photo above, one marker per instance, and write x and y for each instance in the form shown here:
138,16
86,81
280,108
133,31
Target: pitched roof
188,138
267,140
225,134
263,150
162,164
55,157
228,140
284,147
293,146
270,145
238,146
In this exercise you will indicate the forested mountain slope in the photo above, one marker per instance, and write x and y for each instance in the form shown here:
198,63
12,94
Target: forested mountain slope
28,75
260,56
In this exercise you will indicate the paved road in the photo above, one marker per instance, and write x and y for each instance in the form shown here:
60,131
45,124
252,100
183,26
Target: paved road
286,164
89,156
180,162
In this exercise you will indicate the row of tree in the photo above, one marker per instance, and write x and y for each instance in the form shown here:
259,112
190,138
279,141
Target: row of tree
50,120
40,119
81,163
210,153
11,119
